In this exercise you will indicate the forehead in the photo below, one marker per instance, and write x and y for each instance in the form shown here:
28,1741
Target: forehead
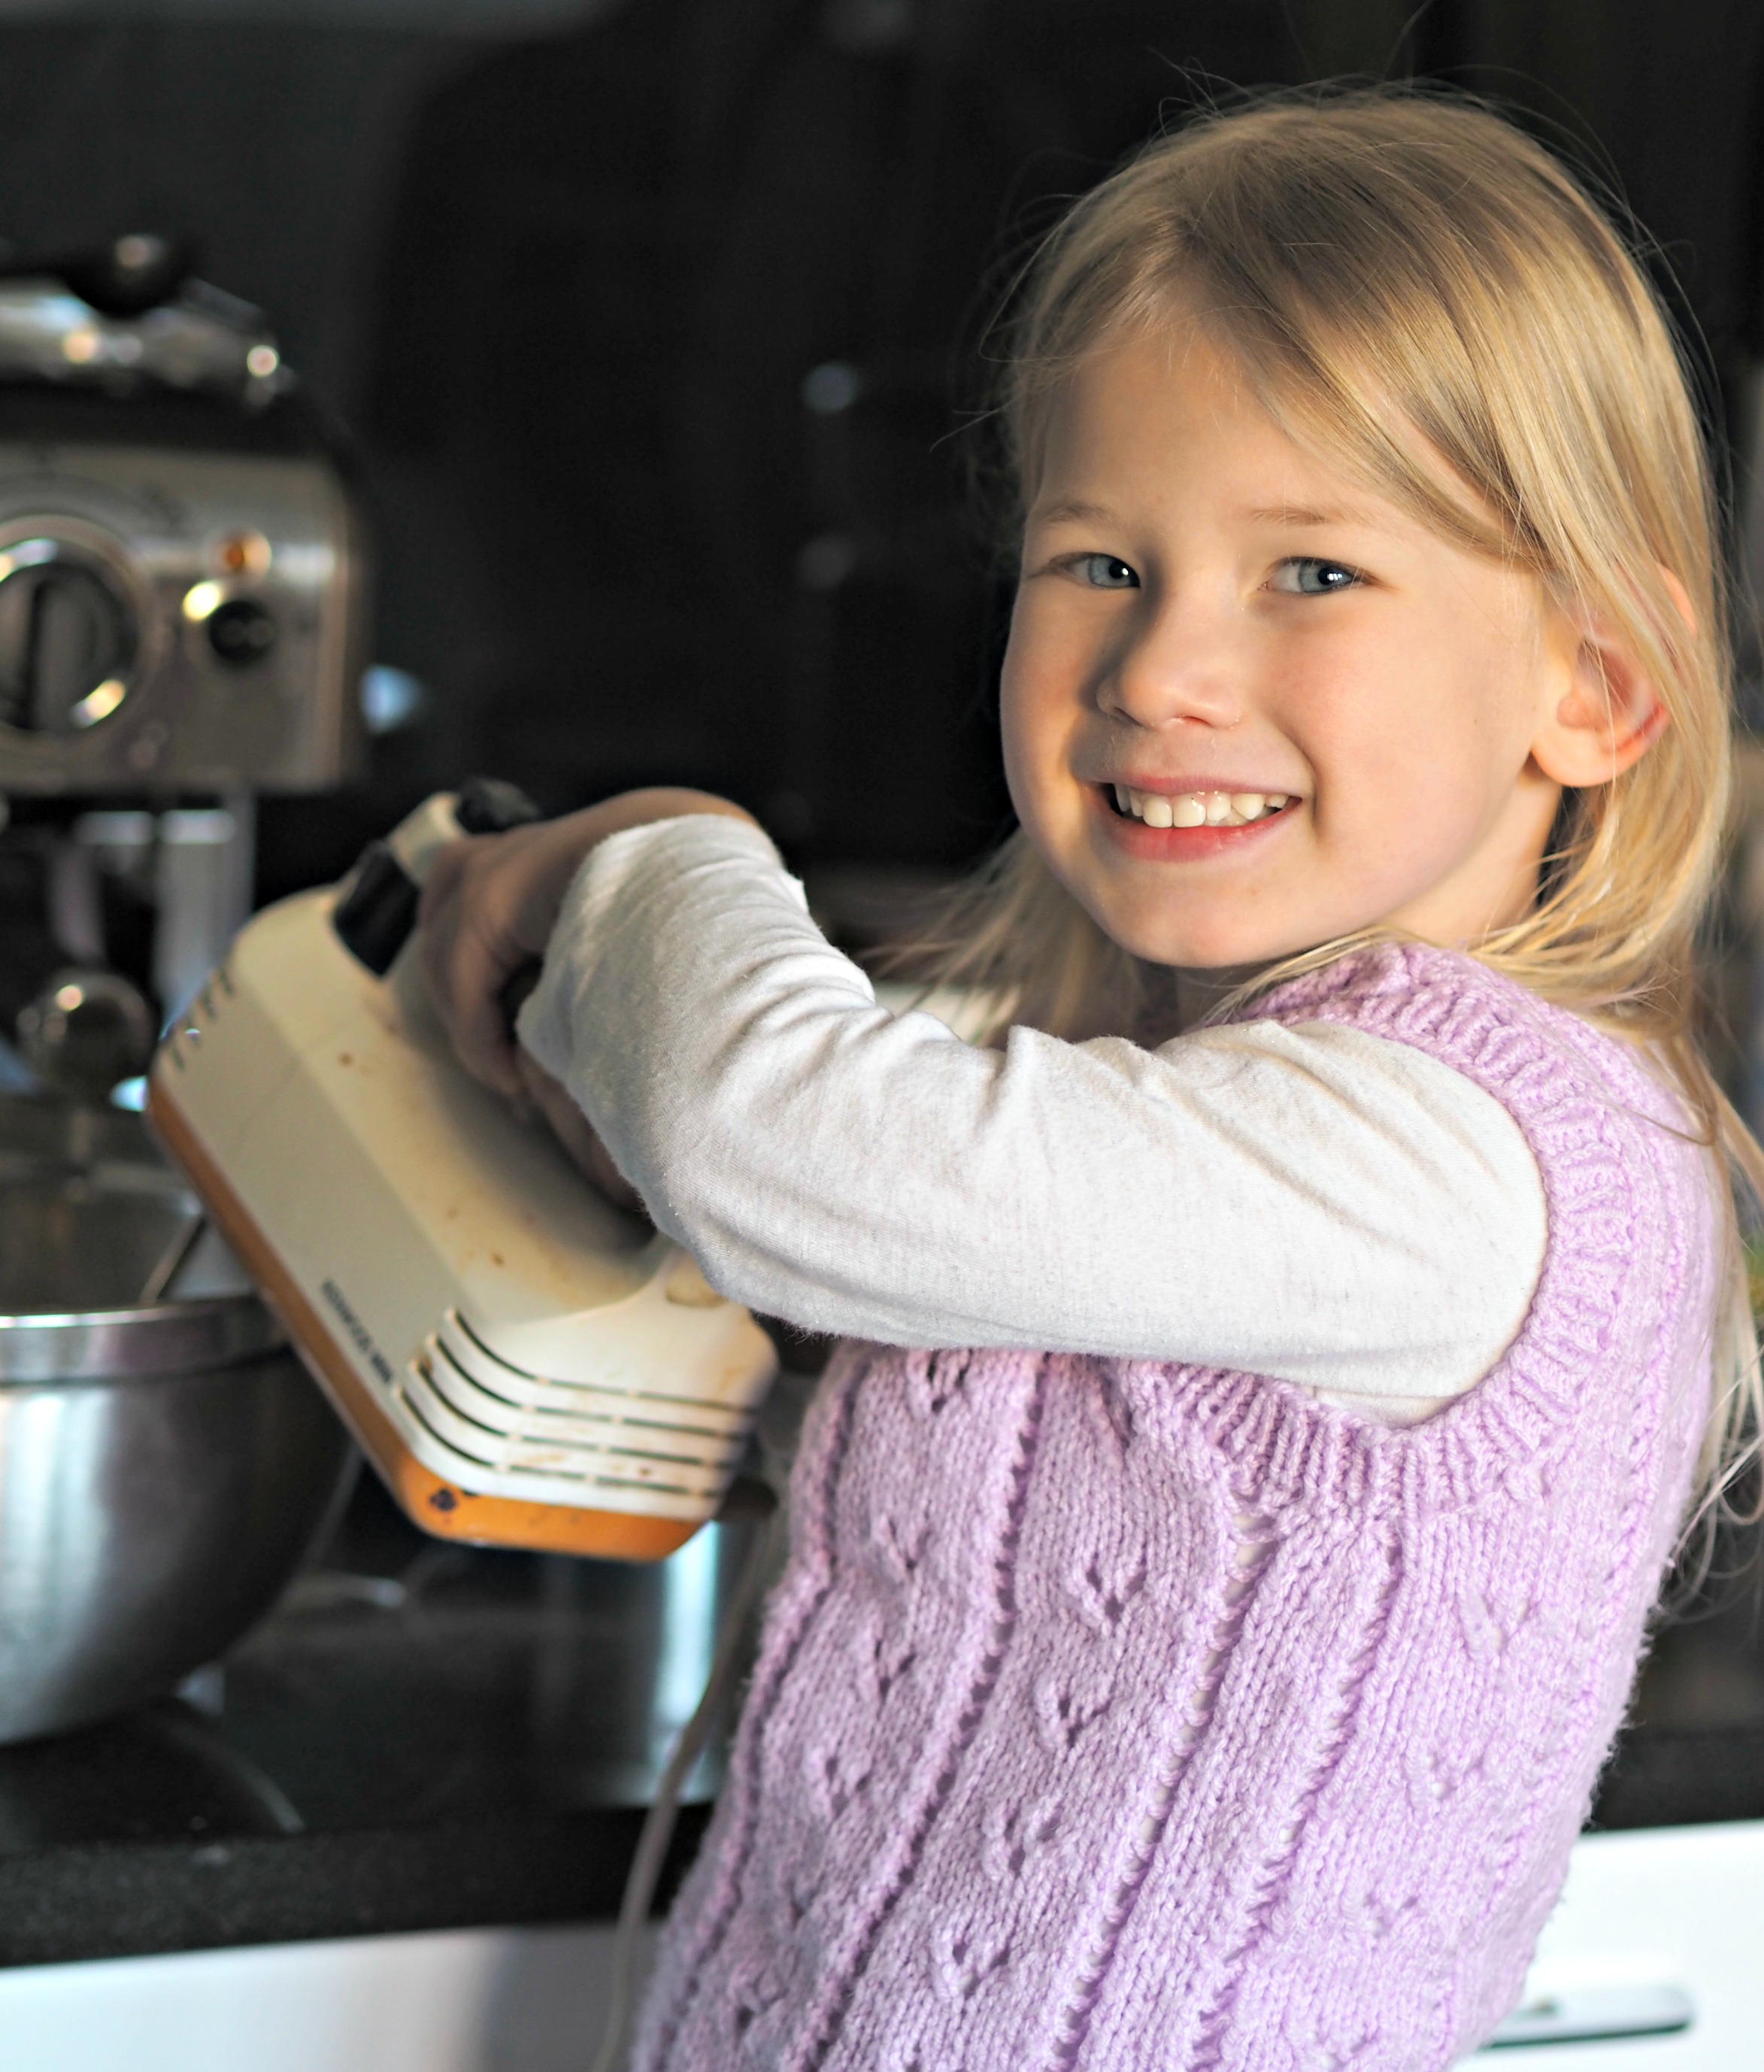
1167,407
1158,405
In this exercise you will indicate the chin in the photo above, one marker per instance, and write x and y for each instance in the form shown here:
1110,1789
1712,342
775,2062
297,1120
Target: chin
1186,952
1150,924
1218,949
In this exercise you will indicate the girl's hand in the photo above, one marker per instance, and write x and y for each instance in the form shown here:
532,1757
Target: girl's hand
489,906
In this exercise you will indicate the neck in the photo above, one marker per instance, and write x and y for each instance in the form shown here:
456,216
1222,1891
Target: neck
1200,993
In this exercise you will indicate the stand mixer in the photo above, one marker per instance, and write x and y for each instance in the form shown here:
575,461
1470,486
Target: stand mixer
181,591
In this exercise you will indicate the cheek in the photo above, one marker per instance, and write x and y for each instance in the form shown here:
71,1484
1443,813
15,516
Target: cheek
1417,753
1034,721
1404,729
1014,730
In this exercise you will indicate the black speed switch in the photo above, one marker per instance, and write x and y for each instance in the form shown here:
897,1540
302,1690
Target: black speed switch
241,631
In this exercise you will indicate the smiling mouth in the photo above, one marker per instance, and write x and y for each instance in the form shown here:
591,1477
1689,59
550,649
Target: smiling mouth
1196,809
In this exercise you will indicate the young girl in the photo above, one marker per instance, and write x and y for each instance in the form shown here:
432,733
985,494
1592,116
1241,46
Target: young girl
1198,1649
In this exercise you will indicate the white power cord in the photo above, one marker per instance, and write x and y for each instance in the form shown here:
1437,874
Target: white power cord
658,1825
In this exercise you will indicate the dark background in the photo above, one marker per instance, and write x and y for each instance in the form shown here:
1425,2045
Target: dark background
568,276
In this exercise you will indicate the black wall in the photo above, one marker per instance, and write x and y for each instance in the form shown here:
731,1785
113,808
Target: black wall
571,291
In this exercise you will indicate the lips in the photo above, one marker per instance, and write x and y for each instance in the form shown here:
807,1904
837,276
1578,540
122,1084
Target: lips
1201,808
1198,821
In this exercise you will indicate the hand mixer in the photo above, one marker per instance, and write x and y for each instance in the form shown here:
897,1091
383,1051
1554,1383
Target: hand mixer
525,1365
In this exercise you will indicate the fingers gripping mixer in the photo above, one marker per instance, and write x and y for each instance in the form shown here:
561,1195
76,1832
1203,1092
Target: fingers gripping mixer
525,1365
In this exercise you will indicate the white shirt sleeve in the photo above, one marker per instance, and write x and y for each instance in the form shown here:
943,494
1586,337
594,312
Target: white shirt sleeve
1310,1203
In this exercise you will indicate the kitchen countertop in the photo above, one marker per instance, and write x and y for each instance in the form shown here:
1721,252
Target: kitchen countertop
420,1736
425,1736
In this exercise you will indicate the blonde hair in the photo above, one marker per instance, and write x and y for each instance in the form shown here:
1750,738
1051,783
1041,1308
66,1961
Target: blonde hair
1388,264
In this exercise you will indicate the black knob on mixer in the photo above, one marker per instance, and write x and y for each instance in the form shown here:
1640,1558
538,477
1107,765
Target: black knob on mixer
376,906
377,909
129,276
241,631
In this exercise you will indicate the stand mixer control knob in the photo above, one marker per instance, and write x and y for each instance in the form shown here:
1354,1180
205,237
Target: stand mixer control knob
241,631
68,639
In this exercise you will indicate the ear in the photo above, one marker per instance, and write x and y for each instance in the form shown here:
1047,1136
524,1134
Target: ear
1602,712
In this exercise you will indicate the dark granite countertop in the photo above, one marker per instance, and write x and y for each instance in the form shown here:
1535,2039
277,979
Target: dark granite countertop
420,1736
423,1736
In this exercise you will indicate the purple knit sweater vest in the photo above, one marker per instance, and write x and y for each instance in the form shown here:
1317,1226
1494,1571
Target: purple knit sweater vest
1117,1715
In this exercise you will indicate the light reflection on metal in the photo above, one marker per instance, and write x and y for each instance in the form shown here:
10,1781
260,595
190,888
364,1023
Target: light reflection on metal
28,554
99,703
201,339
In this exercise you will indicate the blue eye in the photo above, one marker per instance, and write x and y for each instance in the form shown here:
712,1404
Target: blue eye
1306,575
1105,572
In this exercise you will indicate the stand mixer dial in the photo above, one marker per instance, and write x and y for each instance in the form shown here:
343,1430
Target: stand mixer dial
69,637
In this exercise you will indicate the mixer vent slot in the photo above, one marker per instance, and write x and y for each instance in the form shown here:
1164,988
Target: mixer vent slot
545,1465
708,1424
534,1430
474,1354
594,1430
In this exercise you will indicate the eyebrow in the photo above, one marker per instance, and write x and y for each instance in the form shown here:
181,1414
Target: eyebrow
1072,510
1307,514
1077,510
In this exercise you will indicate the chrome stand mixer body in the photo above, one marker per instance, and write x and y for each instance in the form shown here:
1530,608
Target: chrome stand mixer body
181,622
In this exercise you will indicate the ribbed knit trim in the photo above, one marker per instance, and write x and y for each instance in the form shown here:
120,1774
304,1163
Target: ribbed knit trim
1288,1448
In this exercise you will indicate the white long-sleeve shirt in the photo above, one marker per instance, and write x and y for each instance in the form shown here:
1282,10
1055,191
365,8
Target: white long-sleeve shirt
1313,1202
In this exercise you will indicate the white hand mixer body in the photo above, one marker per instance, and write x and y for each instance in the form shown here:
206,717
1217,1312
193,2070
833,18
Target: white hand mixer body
525,1365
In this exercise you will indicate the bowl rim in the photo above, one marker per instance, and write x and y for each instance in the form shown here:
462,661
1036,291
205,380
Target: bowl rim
39,1347
116,1149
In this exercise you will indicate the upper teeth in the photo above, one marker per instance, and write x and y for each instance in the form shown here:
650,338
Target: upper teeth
1195,809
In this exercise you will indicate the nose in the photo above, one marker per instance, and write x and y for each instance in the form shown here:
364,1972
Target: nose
1180,661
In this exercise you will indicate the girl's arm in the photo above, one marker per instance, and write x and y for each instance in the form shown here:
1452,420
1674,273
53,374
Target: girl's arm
489,906
1314,1203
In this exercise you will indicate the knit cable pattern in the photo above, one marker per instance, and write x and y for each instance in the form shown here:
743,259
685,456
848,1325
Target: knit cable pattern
1113,1714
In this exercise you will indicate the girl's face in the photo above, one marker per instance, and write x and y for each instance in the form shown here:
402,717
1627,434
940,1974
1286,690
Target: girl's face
1249,707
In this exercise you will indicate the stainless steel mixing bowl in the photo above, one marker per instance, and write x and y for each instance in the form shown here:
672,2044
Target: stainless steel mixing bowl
163,1468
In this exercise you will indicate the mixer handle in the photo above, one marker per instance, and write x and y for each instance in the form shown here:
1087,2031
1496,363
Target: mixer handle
376,906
